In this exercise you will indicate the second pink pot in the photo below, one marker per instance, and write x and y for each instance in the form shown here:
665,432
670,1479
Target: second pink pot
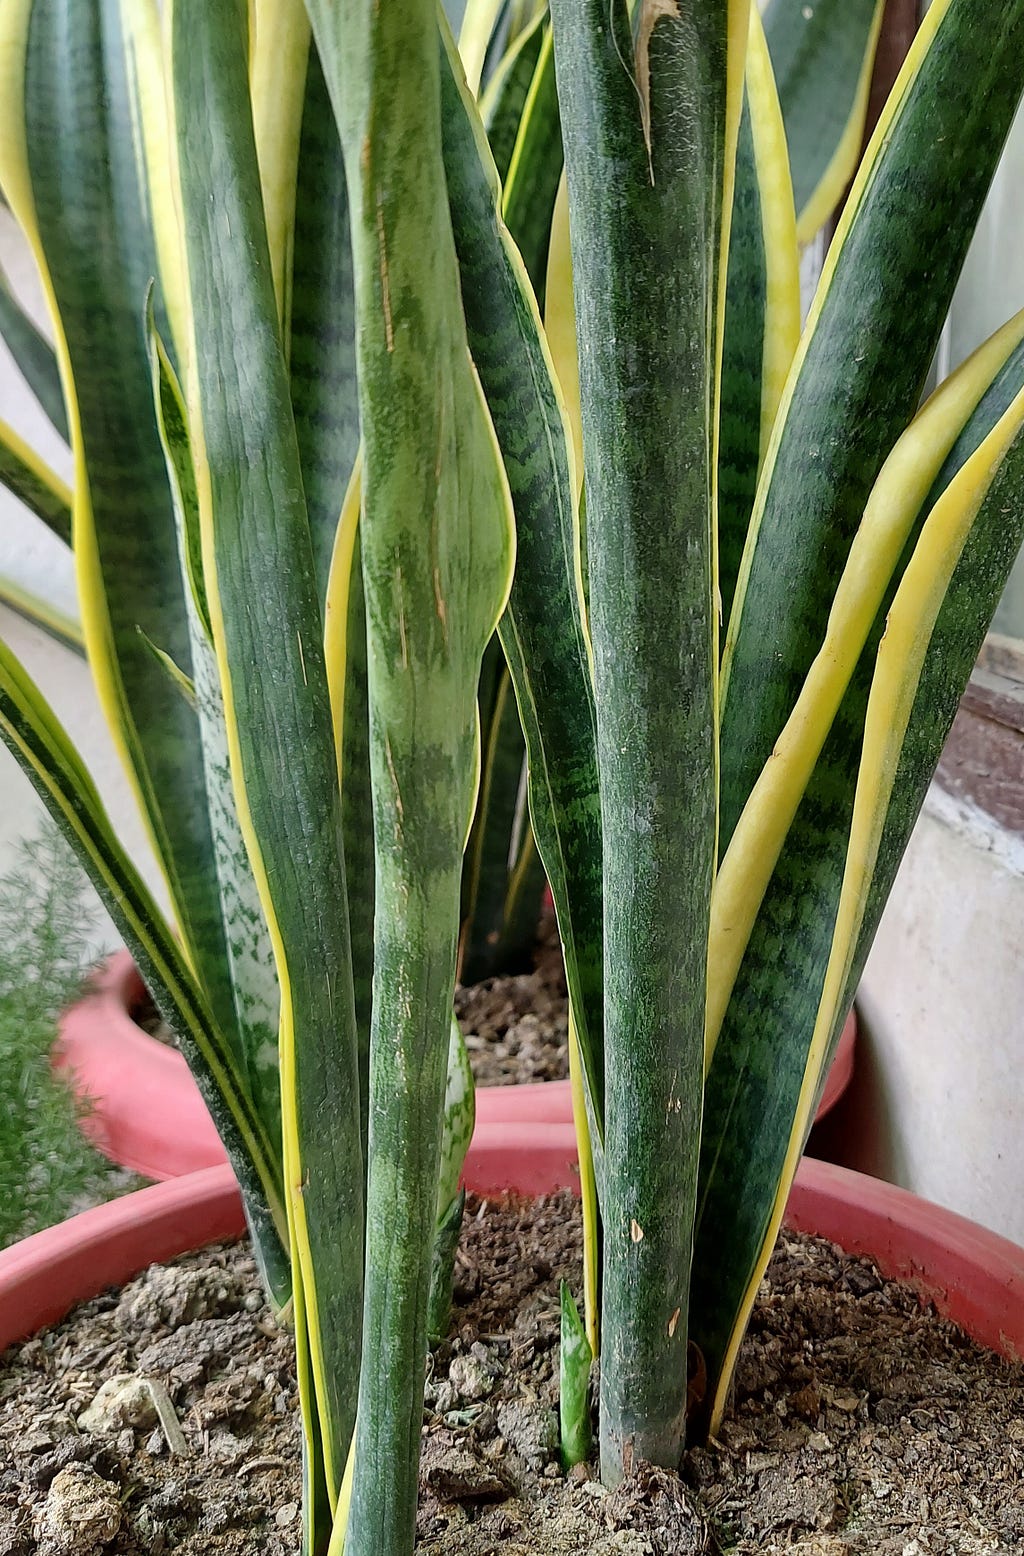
147,1114
972,1276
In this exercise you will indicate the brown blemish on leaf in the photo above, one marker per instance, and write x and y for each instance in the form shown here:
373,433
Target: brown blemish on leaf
402,633
440,606
672,1323
399,807
385,277
636,1231
651,13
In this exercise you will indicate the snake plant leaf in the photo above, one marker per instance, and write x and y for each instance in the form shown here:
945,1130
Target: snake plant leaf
574,1360
542,631
480,20
762,307
458,1120
185,684
649,157
345,649
485,864
41,612
257,548
68,124
977,584
45,752
863,359
250,956
589,1207
560,329
499,849
535,169
442,1270
34,356
279,57
34,483
517,937
325,403
456,1134
788,856
823,56
502,105
437,548
833,696
322,328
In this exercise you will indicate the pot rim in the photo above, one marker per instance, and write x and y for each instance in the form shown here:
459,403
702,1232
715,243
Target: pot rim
148,1114
972,1275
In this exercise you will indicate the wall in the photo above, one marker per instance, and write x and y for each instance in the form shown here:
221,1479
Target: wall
937,1100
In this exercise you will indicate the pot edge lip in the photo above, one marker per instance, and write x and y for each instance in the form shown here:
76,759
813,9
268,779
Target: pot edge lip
108,1244
84,1047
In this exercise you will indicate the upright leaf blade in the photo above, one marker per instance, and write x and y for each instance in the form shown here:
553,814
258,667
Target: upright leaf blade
279,59
762,1085
503,104
823,56
762,307
257,547
250,956
575,1358
325,403
649,158
437,546
535,169
863,359
542,632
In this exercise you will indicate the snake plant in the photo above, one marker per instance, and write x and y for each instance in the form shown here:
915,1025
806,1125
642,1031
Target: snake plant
405,378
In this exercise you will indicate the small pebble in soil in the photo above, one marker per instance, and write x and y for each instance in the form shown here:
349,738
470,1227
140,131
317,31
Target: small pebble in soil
123,1400
81,1514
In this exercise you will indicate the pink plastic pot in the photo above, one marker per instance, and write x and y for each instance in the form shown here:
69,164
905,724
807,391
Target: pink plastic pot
43,1277
549,1102
147,1113
971,1275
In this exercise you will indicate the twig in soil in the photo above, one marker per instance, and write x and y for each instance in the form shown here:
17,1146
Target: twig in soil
269,1461
169,1424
